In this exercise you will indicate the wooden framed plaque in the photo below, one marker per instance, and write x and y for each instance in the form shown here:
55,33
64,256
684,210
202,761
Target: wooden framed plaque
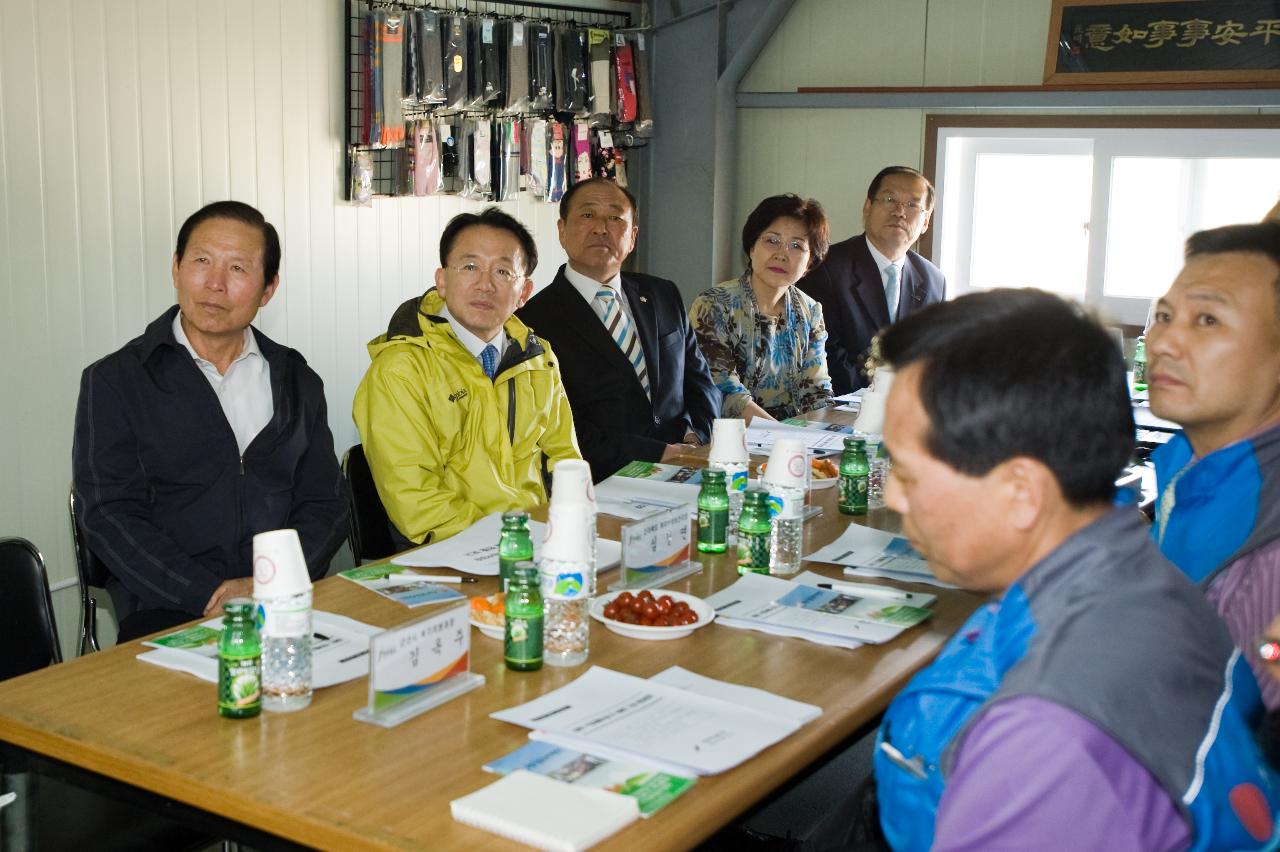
1163,42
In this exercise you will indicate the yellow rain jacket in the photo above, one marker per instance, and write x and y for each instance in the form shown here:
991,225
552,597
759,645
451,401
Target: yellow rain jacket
446,445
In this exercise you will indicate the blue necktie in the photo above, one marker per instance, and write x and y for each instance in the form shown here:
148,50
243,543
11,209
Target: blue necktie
489,360
891,291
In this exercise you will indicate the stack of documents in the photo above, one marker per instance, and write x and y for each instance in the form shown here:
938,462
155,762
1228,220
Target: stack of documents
677,722
867,552
845,617
642,488
475,549
819,438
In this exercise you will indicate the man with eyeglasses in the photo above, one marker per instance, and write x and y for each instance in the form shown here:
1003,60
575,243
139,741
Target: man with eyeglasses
871,281
638,383
462,411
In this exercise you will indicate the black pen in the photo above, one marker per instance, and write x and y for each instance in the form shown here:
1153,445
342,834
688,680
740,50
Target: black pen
353,656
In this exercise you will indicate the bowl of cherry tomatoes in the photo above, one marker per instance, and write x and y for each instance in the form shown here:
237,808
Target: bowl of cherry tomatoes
645,615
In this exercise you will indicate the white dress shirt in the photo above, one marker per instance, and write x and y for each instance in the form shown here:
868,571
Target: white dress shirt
883,263
474,344
244,391
588,287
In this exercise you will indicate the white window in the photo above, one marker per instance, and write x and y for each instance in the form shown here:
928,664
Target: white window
1096,214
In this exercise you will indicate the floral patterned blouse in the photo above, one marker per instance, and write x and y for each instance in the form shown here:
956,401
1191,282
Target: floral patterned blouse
780,362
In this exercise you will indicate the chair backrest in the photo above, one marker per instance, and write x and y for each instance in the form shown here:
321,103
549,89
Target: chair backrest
93,573
28,633
370,528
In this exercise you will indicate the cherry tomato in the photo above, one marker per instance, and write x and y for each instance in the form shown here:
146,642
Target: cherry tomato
623,599
663,604
645,595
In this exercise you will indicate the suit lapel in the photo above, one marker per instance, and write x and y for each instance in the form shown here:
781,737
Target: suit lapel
645,322
582,318
913,290
868,287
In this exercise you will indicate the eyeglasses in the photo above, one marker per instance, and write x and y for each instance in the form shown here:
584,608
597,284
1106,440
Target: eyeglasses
911,208
470,273
774,242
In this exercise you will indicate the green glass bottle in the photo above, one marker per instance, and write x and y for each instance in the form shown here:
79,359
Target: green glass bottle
855,473
713,513
514,544
754,526
522,635
239,662
1140,364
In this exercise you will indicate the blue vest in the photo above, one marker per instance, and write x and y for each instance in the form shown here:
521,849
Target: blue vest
1104,596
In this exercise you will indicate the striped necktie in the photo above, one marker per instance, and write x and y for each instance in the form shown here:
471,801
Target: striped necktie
623,333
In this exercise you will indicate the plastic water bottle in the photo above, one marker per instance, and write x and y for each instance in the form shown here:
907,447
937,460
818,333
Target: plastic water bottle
735,483
878,474
285,625
565,636
786,505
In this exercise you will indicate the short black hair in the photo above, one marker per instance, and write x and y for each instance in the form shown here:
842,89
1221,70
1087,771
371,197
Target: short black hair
239,212
567,198
493,217
1009,373
874,189
806,210
1256,237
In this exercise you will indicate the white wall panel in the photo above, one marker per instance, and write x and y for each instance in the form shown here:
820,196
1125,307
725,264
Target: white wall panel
118,118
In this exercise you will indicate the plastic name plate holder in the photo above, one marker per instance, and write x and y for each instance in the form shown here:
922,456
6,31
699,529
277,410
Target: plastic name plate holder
655,550
417,666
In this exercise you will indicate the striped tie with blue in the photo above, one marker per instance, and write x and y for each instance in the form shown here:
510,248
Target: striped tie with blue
623,333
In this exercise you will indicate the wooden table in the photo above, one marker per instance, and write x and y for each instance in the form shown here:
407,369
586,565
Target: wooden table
320,778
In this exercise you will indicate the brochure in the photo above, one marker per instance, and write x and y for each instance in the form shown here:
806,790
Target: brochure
658,472
819,425
402,585
636,497
651,790
841,604
339,649
675,730
868,552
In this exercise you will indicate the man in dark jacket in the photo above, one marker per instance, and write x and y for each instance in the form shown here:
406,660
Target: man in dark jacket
201,433
871,281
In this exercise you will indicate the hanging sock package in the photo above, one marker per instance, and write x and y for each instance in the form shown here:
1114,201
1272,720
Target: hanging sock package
581,151
361,178
479,134
506,159
539,157
430,57
602,88
541,73
517,66
426,158
626,78
556,161
447,132
456,61
412,74
484,79
644,105
373,80
572,95
390,34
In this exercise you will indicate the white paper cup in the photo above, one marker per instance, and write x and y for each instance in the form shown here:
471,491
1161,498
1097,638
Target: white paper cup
568,536
571,484
279,568
788,464
728,441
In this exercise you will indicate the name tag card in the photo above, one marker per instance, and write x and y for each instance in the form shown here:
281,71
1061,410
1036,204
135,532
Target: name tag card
417,666
656,550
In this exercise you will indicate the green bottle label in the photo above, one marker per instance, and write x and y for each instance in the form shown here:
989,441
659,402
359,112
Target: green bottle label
853,494
713,529
753,552
239,685
522,641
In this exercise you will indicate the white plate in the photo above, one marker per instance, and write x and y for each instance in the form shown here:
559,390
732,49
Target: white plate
639,631
490,630
816,483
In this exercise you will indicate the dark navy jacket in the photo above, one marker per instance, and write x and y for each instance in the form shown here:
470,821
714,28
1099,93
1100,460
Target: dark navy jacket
169,504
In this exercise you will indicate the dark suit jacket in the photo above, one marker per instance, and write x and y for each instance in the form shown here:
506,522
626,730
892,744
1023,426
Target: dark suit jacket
848,285
614,420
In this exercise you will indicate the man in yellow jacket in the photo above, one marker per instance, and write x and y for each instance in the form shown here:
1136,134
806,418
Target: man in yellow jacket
462,411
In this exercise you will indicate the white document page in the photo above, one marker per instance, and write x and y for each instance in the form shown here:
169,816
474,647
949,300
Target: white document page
760,439
475,549
744,696
628,497
751,603
649,721
339,651
869,552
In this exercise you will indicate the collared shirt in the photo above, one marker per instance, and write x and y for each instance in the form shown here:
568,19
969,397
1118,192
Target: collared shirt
470,342
883,263
588,287
244,391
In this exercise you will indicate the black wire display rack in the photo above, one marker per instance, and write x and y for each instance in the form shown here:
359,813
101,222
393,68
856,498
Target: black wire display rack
391,164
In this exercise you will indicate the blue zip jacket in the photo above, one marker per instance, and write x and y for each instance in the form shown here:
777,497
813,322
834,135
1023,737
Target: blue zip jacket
1107,628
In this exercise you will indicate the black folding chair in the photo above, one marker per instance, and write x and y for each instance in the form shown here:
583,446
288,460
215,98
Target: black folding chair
28,632
93,574
370,535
